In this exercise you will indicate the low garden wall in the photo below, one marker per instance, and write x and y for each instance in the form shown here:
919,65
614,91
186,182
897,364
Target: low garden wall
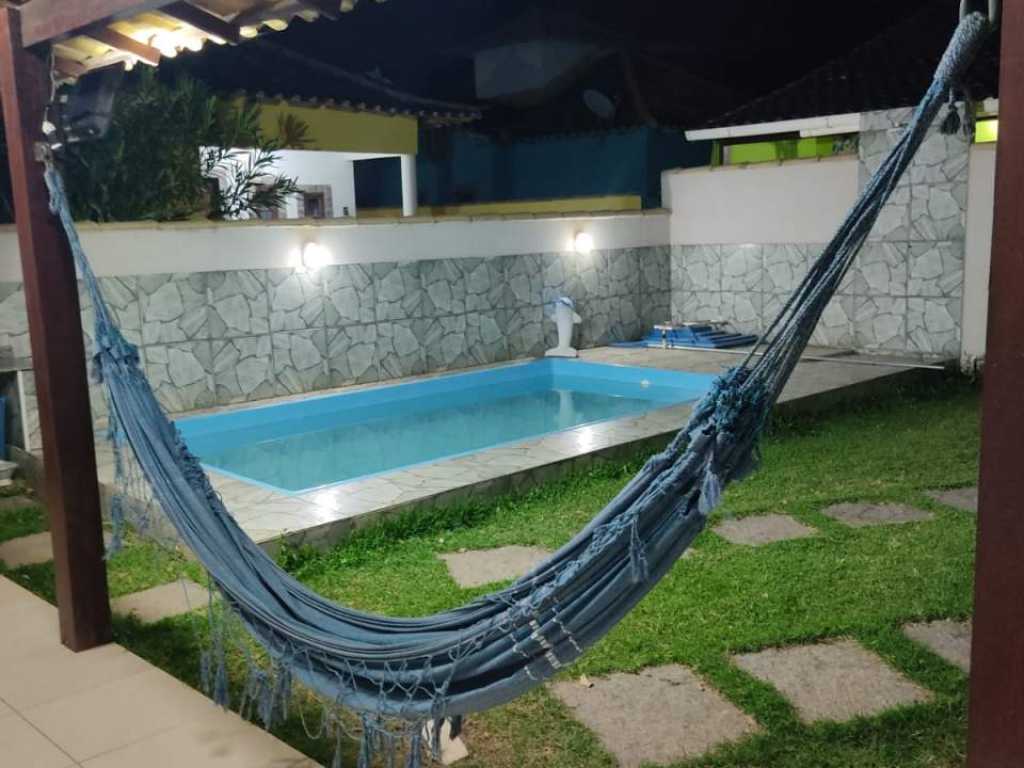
742,237
225,314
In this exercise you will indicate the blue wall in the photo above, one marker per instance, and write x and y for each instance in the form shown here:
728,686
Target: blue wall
462,167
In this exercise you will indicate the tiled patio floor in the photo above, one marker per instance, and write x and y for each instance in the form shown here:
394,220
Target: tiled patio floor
107,708
324,516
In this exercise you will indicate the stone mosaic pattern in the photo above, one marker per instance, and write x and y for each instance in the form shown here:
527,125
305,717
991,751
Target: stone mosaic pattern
902,294
173,307
181,374
14,320
238,303
218,338
243,369
33,436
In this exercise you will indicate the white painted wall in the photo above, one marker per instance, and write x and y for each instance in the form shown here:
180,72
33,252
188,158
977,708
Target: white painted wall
332,169
799,201
980,208
317,168
150,248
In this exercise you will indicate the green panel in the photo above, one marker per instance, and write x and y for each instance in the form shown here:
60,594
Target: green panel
986,132
788,149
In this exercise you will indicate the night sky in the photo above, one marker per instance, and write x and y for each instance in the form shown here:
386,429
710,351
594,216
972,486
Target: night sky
695,61
749,46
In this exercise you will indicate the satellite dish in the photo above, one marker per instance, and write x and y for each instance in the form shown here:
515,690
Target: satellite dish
599,104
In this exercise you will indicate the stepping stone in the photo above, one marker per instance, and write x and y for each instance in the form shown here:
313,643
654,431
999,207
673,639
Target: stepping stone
763,529
949,639
832,681
8,503
961,498
485,566
659,715
31,550
863,515
27,550
162,602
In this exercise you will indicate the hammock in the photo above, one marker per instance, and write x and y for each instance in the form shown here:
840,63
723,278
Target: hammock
483,654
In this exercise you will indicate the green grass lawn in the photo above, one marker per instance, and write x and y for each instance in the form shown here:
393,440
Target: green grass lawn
860,583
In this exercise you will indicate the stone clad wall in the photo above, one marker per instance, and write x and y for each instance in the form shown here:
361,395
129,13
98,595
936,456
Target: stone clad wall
216,338
903,294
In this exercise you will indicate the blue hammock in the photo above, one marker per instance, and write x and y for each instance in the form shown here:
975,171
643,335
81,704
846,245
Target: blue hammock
481,655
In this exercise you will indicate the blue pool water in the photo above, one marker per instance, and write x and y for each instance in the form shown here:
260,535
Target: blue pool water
318,441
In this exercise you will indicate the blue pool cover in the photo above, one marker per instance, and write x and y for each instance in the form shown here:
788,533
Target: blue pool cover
305,444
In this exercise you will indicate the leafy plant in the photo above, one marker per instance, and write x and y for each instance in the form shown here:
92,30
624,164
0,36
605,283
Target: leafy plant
246,183
292,132
167,142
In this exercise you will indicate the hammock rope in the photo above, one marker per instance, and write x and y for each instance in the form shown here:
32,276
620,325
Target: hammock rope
435,668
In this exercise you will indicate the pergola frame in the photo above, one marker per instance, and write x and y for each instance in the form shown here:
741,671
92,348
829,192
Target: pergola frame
71,491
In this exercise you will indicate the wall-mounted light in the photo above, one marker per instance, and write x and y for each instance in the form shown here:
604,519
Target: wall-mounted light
310,258
583,242
315,256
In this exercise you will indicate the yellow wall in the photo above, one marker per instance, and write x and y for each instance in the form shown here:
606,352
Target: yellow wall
340,130
512,207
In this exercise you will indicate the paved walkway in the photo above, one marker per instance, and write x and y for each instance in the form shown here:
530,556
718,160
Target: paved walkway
107,708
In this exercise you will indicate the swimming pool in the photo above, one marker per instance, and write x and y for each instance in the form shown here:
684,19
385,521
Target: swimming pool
305,444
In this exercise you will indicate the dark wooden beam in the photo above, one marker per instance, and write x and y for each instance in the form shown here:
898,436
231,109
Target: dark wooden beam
70,488
46,20
202,20
996,717
115,39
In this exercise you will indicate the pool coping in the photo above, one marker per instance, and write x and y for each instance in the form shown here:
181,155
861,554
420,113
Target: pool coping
320,518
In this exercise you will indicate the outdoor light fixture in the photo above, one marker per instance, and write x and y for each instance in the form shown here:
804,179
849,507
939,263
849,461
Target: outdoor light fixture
583,242
165,44
311,258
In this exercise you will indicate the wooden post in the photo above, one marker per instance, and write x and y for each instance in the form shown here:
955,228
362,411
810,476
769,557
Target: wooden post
71,491
996,722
